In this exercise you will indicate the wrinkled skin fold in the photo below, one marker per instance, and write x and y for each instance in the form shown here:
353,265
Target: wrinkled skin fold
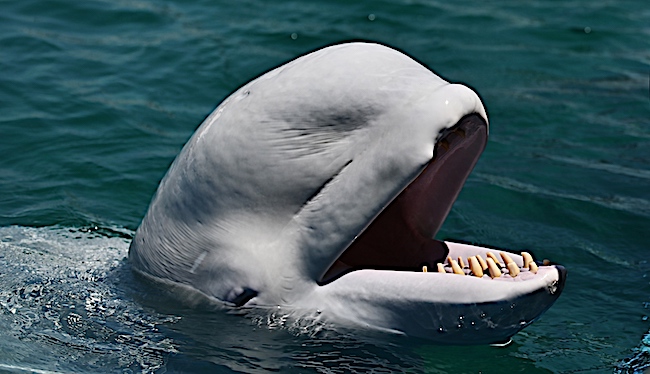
320,186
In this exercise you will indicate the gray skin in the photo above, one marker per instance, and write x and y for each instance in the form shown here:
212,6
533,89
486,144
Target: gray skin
289,170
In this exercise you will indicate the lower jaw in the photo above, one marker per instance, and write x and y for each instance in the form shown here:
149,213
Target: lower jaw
434,307
444,308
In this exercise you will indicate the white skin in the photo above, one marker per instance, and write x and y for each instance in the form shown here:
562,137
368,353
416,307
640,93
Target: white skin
281,178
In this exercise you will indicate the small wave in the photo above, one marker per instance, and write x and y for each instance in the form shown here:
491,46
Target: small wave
627,204
610,168
639,362
25,369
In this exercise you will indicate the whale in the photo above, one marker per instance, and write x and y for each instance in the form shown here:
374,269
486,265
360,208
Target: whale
319,187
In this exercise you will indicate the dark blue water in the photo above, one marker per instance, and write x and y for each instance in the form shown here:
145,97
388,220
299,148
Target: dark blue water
97,98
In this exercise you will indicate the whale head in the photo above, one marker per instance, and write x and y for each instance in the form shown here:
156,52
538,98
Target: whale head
321,186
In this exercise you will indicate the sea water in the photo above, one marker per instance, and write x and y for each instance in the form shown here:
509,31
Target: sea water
97,98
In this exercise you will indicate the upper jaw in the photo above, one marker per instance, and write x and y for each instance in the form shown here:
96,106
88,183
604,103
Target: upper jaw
401,236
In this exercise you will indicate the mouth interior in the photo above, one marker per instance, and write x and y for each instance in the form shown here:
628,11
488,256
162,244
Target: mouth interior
401,237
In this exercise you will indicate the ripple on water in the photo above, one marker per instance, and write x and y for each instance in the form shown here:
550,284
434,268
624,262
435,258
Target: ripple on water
62,308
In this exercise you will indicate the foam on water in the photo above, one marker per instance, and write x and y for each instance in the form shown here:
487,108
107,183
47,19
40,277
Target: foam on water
65,305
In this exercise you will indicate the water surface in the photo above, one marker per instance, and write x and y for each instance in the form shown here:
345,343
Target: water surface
97,98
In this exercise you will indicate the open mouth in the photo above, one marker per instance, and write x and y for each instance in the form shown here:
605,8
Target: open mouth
401,238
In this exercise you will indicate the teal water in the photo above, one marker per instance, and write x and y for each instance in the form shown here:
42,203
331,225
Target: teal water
97,98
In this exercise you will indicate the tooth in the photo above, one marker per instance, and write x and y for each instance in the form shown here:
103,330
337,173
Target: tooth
424,269
494,269
546,262
461,263
449,260
506,259
441,268
482,262
528,259
493,257
456,268
475,266
533,267
513,268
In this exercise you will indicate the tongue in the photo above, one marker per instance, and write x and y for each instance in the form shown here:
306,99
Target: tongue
401,237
